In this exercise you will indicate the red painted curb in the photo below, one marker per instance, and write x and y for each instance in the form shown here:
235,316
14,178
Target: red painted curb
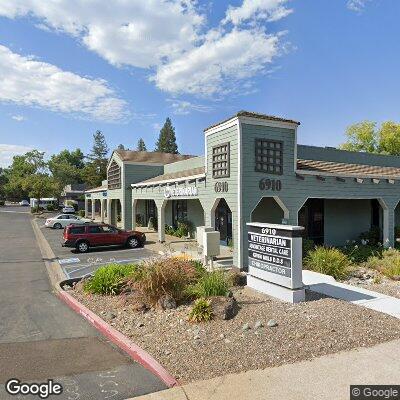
134,351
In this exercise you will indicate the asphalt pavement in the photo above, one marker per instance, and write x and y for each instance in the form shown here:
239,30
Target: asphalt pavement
41,338
76,264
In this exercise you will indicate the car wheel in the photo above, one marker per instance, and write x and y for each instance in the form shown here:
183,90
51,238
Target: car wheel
82,247
133,242
57,226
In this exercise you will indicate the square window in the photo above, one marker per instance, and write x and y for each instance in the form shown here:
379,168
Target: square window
269,156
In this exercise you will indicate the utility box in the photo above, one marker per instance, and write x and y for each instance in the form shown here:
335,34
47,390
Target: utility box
199,233
211,243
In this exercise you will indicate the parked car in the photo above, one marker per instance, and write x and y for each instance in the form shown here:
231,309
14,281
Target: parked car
68,209
94,235
63,220
24,203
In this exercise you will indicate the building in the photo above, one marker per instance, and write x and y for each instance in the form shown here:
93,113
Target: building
254,170
74,194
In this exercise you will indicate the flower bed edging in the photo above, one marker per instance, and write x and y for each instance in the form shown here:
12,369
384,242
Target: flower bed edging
124,343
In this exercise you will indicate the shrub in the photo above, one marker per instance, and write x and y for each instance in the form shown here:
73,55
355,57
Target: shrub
170,276
185,228
198,265
371,237
2,203
388,264
110,279
36,209
215,283
81,213
308,245
169,230
330,261
201,311
51,207
359,253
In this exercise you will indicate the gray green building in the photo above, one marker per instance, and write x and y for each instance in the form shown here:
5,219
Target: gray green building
254,170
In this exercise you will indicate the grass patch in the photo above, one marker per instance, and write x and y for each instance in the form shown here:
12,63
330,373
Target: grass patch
215,283
329,261
110,279
387,264
201,311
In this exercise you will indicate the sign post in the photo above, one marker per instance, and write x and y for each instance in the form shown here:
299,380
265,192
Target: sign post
275,260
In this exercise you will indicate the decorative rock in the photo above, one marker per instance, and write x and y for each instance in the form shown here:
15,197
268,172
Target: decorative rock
166,302
258,325
140,325
246,327
271,323
222,336
224,307
197,337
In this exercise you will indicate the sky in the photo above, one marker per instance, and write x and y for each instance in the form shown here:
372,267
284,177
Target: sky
71,67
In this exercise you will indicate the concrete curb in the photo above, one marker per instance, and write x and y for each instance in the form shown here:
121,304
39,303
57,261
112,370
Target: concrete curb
56,276
134,351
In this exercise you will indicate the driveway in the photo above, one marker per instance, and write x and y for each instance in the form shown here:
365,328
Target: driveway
41,338
75,264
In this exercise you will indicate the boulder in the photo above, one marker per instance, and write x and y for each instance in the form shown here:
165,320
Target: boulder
166,302
224,307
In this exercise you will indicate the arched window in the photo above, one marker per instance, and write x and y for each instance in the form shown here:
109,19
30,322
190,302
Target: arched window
114,176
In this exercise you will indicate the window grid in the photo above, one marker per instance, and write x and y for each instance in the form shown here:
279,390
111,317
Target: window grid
269,156
221,161
114,176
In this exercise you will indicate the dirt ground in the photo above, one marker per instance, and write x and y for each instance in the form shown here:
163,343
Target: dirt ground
201,351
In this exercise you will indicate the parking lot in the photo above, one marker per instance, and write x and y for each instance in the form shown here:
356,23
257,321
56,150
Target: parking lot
76,264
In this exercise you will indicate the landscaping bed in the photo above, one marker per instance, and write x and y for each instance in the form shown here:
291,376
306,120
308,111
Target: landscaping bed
264,333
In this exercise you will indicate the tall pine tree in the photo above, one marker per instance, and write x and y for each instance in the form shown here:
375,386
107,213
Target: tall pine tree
166,142
141,145
99,157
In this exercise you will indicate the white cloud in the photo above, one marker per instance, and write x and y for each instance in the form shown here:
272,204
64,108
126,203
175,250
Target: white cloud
26,81
169,37
132,32
18,118
219,64
8,151
270,10
356,5
183,107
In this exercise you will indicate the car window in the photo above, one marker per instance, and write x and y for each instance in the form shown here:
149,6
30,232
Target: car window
61,217
108,229
95,229
76,230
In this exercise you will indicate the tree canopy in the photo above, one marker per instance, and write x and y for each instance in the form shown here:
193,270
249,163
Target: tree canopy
366,136
96,170
166,142
141,145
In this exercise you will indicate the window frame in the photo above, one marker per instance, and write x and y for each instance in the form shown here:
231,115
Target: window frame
268,148
227,174
114,181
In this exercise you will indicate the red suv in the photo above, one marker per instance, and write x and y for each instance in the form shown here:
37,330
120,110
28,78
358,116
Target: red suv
82,237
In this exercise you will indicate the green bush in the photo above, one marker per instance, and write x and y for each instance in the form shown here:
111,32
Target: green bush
201,311
2,203
215,283
169,230
198,265
329,261
388,263
51,207
110,279
371,237
81,213
36,209
308,245
359,253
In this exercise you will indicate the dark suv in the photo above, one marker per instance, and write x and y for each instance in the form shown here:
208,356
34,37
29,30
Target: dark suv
82,237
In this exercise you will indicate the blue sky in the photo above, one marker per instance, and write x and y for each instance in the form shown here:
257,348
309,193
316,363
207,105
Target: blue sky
70,68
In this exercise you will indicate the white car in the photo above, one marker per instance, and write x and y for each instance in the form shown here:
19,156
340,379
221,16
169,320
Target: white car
68,209
24,203
62,220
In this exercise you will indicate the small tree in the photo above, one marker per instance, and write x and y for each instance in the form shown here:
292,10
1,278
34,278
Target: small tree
121,147
167,140
39,185
99,156
141,145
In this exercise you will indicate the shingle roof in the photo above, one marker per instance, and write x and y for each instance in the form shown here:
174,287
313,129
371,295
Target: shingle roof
154,157
346,169
97,189
174,175
254,115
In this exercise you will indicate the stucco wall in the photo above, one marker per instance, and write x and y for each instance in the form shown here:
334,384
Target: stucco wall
345,220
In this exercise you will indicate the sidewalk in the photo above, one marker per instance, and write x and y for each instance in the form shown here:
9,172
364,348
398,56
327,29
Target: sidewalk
327,377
